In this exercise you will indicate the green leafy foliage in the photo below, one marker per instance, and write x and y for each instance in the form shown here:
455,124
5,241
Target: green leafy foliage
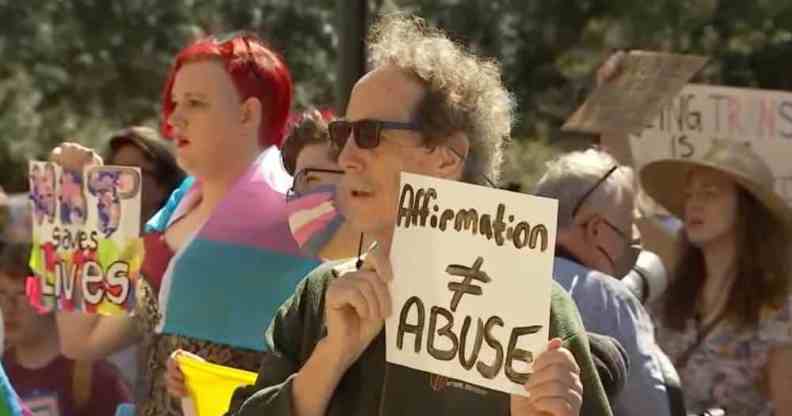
79,69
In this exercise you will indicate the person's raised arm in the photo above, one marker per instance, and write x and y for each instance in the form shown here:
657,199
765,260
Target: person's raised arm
82,335
86,336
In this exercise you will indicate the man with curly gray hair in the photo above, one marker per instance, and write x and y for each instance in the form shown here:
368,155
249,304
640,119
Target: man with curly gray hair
463,96
427,107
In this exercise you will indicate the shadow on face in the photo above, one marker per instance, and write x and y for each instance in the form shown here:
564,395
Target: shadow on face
711,200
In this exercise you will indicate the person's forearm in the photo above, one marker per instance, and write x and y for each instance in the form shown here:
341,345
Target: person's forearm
86,336
315,384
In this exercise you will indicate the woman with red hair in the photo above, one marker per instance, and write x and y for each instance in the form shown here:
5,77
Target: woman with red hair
225,105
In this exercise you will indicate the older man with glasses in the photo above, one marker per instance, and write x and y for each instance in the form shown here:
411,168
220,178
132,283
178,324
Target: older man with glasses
595,222
427,107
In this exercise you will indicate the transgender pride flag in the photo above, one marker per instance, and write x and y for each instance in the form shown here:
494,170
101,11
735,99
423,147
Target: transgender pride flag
314,220
227,282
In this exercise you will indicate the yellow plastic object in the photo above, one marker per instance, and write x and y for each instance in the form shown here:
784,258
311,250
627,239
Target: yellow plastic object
211,385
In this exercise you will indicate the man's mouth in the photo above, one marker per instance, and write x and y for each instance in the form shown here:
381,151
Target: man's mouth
361,193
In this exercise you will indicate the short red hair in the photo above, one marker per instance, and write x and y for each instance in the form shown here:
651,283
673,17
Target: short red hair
271,83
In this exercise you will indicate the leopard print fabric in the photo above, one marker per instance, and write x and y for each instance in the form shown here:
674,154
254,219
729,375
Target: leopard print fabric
152,395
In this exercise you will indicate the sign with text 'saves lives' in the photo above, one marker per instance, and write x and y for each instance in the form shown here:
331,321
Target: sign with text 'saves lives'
86,251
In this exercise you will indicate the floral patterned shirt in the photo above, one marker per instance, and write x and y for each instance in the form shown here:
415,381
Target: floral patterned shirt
728,370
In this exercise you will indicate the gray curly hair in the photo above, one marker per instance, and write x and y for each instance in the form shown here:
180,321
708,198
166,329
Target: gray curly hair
464,92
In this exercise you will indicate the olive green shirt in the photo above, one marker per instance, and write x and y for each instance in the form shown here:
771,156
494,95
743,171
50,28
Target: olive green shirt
373,386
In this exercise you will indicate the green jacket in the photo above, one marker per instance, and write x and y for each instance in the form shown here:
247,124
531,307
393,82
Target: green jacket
374,387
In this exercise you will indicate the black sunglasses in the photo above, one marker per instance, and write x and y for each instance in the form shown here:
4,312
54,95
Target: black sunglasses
366,132
293,193
224,38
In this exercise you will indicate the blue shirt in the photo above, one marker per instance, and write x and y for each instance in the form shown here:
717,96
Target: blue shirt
607,307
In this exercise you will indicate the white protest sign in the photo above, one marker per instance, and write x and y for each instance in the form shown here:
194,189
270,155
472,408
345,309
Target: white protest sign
86,249
472,277
703,113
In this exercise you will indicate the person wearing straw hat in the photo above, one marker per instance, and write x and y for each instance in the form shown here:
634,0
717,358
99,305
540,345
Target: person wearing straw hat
726,318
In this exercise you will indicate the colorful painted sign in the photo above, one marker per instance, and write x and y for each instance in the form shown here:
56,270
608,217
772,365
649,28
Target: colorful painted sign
87,249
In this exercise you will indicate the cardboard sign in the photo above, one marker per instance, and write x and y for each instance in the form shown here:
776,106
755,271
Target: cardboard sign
472,276
86,248
701,113
646,82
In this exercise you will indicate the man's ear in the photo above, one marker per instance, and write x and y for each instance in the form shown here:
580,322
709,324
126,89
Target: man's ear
592,228
450,157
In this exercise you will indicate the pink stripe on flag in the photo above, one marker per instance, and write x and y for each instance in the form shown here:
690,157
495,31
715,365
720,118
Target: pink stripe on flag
309,201
308,230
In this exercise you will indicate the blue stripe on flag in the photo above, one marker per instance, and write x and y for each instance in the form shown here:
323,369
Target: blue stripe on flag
228,293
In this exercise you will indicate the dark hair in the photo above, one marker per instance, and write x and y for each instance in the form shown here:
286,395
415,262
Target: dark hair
762,264
167,171
14,258
310,128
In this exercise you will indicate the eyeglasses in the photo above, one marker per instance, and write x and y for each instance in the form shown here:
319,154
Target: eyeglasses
593,188
294,193
585,196
366,133
224,38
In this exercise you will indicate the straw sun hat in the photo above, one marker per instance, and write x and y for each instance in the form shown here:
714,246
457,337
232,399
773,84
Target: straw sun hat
665,179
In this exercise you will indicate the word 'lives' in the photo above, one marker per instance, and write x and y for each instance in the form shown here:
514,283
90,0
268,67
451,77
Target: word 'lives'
95,284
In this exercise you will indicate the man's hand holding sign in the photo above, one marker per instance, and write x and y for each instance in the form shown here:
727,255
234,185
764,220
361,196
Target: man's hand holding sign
442,118
505,347
357,305
463,271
